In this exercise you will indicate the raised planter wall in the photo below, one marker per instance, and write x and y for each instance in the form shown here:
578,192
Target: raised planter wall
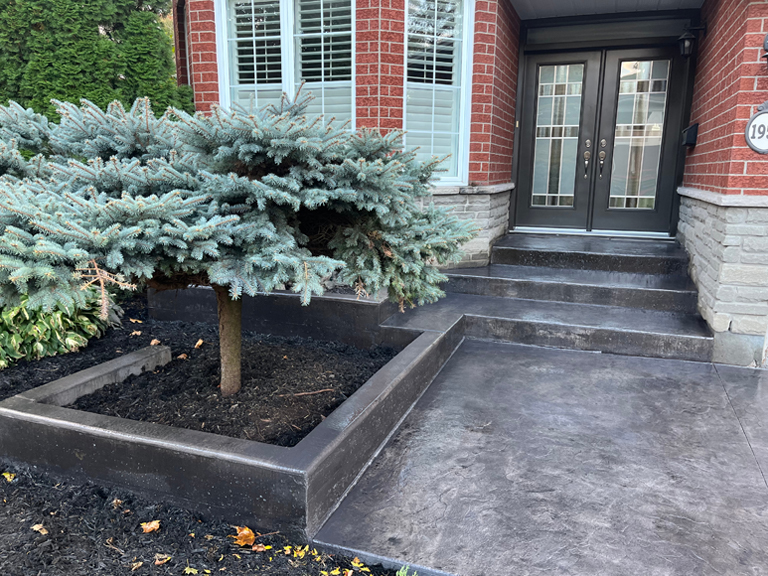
267,487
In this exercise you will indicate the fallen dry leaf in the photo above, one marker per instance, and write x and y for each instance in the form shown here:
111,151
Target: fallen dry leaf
182,357
245,536
190,570
161,559
134,321
152,526
259,548
40,528
9,476
154,342
136,565
136,333
209,536
199,344
349,573
116,503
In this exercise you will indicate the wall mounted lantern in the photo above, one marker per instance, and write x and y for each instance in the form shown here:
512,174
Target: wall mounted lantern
765,47
687,39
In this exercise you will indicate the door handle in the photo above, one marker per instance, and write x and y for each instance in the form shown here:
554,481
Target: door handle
587,156
601,156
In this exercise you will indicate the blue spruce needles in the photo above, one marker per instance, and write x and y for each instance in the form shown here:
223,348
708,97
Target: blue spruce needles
244,202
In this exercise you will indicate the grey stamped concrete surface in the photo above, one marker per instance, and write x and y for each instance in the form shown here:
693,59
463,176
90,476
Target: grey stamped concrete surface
521,460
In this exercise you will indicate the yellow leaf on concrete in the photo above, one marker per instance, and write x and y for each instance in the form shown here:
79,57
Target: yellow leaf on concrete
40,528
152,526
245,536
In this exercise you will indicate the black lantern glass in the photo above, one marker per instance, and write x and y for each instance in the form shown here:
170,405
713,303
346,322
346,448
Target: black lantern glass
687,42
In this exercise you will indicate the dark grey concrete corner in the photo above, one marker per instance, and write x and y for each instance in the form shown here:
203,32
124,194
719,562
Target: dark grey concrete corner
292,490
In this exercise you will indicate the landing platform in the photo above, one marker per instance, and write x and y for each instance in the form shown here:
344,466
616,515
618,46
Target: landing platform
521,460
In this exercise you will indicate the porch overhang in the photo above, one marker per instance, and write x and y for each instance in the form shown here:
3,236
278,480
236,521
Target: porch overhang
538,9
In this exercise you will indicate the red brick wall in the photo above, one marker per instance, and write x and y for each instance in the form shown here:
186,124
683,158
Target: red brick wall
201,42
731,81
380,63
380,68
494,89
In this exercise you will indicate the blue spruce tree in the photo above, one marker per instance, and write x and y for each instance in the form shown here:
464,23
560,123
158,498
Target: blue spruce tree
243,202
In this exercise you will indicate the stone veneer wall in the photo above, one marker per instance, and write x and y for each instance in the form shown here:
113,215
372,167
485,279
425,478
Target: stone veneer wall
728,246
487,206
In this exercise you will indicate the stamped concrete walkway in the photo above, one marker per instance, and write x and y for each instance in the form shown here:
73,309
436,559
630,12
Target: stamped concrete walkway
521,460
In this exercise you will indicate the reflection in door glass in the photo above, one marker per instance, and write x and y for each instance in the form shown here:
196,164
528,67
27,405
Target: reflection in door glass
639,130
558,113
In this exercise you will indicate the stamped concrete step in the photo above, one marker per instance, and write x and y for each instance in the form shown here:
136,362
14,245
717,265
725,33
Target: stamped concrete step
639,256
669,292
610,329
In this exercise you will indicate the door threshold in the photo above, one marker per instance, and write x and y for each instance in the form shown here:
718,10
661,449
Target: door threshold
637,234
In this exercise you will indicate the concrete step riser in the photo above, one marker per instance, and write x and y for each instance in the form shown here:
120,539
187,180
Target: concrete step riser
649,299
589,261
592,339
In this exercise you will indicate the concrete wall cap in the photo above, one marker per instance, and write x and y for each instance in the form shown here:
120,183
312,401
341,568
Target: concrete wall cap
728,200
490,190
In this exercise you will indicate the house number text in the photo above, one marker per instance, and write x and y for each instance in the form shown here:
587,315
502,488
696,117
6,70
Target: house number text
757,130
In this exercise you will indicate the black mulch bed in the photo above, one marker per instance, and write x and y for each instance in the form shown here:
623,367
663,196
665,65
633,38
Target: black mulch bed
289,384
50,526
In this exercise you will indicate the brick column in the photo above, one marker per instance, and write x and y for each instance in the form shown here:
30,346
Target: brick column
486,200
201,43
380,63
724,210
494,90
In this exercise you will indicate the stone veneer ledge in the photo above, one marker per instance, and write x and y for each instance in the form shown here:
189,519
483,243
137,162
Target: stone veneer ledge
487,206
728,246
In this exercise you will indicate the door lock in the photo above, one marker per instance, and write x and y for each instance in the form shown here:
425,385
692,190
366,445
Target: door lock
601,156
587,156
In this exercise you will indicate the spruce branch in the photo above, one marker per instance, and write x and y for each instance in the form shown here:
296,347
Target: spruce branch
93,274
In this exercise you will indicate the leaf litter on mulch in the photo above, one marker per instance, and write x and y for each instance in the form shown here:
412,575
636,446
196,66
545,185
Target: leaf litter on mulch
51,526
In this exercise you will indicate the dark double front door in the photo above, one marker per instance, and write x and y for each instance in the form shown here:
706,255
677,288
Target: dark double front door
599,137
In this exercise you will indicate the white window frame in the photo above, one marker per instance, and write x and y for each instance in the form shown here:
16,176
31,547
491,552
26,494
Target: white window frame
288,46
465,92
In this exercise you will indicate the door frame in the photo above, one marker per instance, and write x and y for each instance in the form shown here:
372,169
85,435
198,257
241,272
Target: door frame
559,216
690,17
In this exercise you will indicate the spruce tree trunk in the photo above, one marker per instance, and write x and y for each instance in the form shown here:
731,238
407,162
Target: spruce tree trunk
230,340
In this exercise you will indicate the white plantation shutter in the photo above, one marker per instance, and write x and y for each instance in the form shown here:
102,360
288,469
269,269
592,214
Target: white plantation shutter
261,66
255,51
324,54
433,84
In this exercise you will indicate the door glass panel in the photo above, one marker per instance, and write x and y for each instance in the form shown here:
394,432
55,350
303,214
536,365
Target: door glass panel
639,130
557,131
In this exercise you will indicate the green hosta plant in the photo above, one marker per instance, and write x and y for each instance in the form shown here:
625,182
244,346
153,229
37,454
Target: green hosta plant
34,334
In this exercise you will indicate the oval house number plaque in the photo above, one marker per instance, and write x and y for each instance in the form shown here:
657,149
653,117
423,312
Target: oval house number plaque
757,130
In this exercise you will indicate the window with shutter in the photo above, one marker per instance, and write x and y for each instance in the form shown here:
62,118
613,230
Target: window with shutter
324,54
275,45
255,52
433,85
